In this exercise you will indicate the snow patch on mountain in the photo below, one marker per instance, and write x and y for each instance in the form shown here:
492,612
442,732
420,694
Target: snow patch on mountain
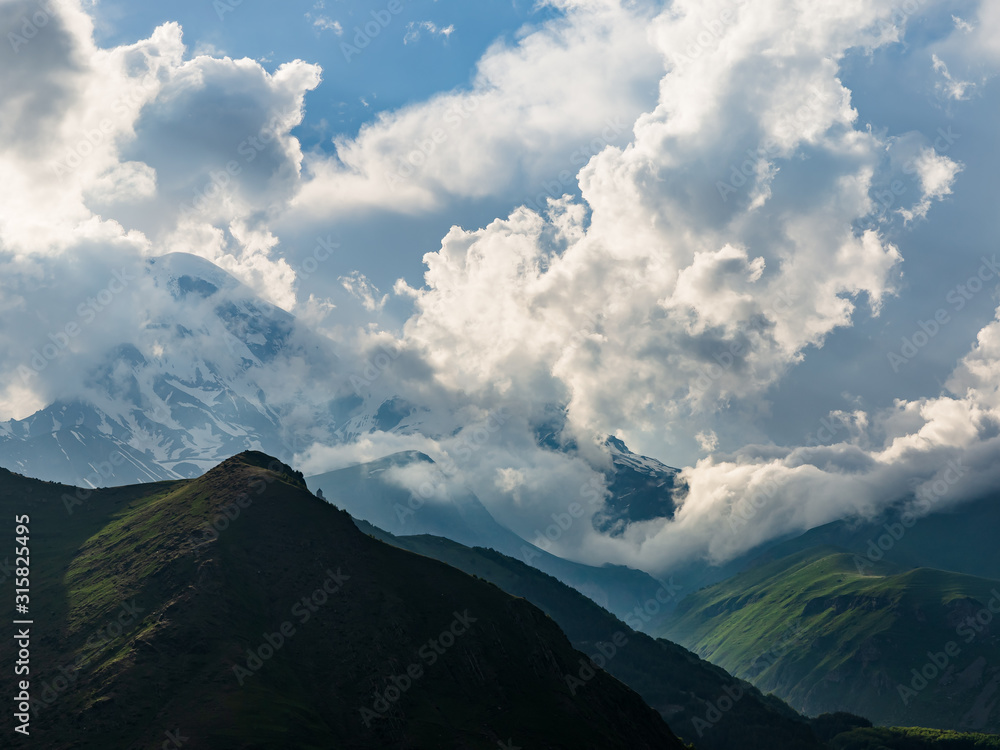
149,415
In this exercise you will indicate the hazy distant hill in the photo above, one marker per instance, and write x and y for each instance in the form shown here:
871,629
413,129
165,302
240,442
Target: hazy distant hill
829,633
678,683
962,539
685,689
370,492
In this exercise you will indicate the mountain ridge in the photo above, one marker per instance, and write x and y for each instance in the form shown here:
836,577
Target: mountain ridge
252,614
366,493
826,636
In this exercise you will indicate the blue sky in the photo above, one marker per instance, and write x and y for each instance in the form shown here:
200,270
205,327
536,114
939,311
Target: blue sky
890,93
386,75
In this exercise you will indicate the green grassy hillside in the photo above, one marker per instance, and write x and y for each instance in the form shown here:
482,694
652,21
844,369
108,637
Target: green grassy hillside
962,539
238,611
827,634
899,738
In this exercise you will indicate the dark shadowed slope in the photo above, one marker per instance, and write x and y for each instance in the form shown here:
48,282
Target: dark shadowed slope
687,691
282,626
373,492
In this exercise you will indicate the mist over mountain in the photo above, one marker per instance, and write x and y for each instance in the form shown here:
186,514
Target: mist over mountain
145,415
379,493
193,385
